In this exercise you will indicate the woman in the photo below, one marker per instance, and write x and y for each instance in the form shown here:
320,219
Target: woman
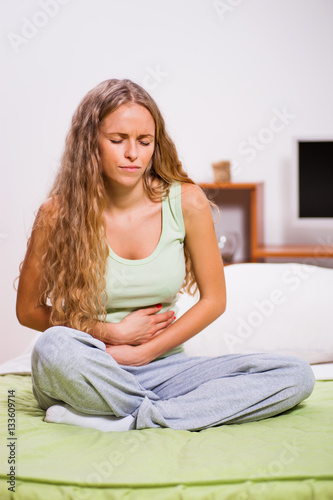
123,230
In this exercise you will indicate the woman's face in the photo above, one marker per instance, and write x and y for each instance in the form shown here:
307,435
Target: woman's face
126,143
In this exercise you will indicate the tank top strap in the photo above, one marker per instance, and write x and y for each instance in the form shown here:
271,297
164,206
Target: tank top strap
174,215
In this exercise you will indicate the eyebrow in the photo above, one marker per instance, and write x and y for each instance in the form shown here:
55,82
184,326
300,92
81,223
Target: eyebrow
126,135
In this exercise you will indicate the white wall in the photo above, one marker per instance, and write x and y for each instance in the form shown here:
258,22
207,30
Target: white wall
219,72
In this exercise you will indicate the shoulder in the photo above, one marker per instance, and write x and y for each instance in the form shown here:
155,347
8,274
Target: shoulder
45,218
194,200
48,209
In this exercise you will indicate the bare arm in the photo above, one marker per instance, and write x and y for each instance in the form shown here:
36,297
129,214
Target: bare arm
208,269
29,311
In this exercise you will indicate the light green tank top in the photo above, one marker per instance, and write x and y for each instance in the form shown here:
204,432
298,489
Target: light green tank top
157,279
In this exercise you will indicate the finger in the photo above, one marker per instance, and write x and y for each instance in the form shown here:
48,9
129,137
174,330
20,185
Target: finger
152,309
162,326
159,318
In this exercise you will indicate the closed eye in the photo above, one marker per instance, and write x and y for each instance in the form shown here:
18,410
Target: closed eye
119,142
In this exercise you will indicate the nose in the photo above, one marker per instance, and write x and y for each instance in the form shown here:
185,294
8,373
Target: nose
131,151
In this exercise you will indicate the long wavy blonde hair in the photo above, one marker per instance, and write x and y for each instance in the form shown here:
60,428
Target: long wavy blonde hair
75,251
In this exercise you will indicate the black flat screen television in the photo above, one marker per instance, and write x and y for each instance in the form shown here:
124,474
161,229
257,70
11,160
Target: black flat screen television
315,179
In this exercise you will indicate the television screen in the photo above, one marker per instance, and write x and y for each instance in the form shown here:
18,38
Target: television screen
315,179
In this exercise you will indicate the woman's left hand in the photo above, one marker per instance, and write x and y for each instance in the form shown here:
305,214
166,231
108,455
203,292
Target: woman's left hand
128,354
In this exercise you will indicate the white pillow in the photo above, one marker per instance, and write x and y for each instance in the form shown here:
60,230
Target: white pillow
281,308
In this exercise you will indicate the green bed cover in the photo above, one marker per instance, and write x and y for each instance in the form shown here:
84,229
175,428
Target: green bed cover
289,456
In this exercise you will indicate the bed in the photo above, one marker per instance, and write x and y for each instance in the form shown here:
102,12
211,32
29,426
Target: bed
288,456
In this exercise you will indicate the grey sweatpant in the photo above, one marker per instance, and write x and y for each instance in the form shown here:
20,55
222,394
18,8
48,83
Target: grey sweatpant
178,391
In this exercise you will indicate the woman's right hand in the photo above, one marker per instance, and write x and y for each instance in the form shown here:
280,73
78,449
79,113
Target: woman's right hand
141,326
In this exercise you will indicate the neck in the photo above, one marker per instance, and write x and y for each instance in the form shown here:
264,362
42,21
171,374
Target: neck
122,198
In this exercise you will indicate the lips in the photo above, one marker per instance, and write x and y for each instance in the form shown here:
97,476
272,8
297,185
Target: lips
132,168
